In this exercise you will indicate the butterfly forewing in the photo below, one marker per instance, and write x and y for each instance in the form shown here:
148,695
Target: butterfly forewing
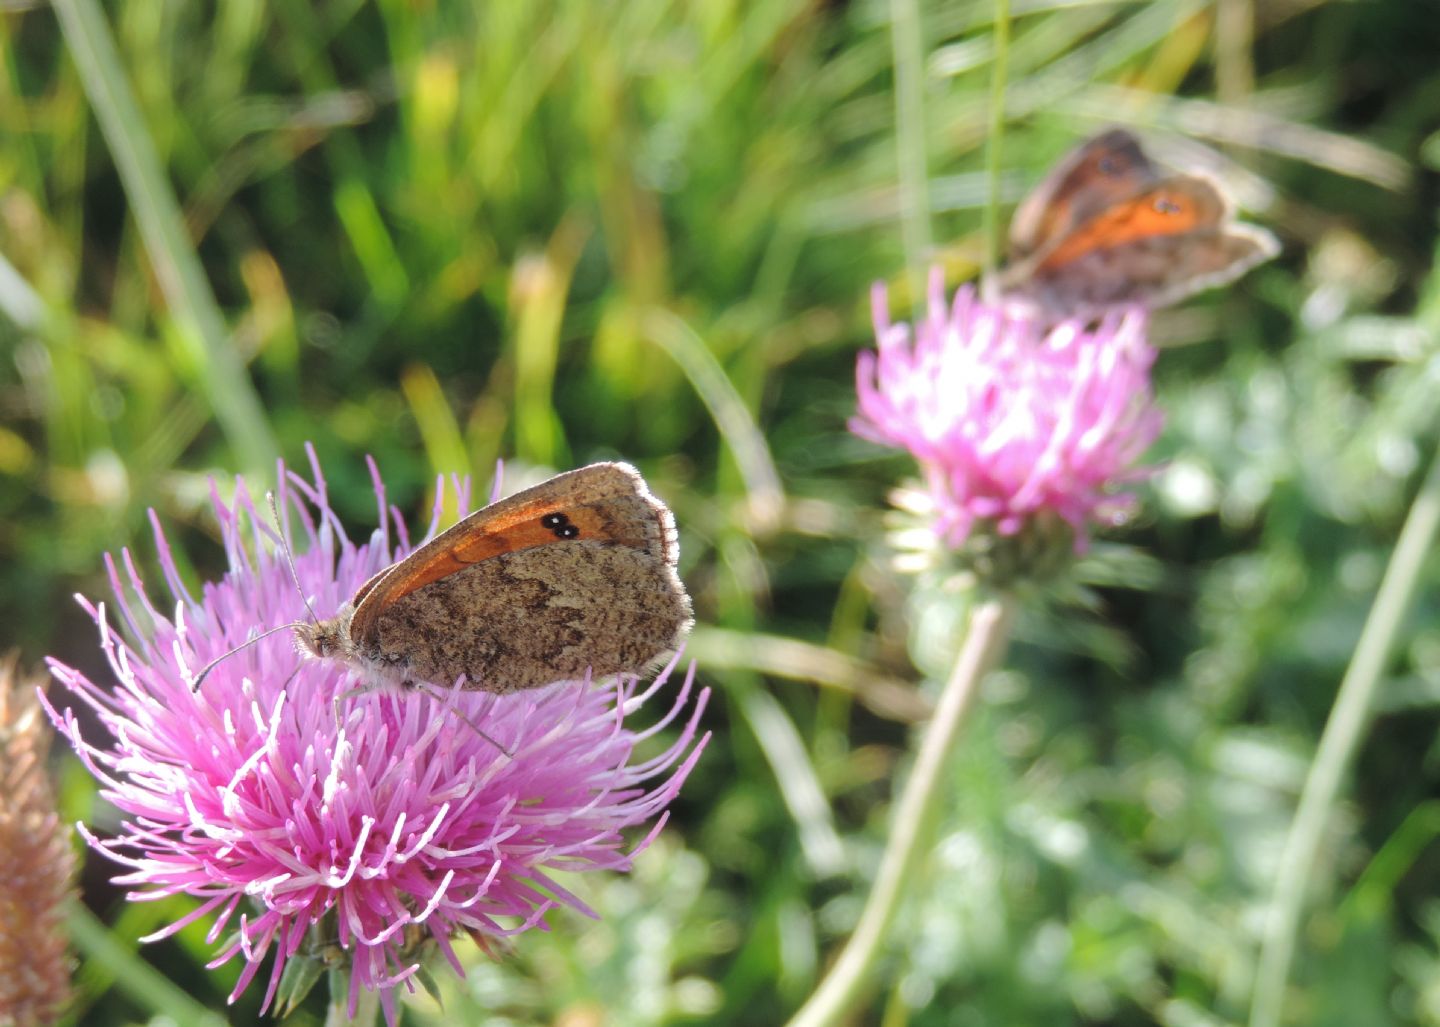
606,501
1104,171
1176,206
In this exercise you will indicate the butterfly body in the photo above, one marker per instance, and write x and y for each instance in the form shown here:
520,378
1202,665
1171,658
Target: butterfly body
1108,229
575,575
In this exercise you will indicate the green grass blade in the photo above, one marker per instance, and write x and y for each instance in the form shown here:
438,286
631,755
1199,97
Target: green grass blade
18,301
998,80
732,417
908,47
1345,729
133,976
220,372
795,775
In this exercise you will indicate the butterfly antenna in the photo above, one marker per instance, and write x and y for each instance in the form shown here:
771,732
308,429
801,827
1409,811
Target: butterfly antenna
289,559
205,671
442,697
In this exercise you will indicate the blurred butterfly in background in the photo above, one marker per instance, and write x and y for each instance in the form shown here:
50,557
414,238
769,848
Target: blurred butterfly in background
1109,229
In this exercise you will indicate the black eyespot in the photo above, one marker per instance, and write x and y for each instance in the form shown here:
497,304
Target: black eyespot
1108,166
559,525
1165,206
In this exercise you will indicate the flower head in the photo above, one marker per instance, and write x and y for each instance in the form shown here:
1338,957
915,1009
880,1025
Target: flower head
1012,425
373,838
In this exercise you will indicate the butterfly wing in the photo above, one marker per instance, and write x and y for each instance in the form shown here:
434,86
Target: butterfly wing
526,618
1171,239
607,501
459,577
1105,170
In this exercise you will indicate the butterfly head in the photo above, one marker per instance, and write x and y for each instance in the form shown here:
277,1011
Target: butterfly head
324,639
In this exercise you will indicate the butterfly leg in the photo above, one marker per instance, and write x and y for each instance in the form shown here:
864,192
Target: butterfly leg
351,694
443,697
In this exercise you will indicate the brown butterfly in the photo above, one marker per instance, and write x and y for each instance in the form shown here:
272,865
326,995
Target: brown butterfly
574,574
1107,229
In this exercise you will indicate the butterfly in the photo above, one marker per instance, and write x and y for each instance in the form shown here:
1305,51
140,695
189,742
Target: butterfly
1108,229
575,574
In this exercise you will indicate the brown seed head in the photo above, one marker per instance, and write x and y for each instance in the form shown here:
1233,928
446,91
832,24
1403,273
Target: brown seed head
35,852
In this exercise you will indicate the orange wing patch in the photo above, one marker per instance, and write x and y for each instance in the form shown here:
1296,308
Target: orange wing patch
604,502
1109,169
1173,208
525,528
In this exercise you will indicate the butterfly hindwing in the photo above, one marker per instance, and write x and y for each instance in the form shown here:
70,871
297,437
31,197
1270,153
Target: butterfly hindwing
529,617
1154,271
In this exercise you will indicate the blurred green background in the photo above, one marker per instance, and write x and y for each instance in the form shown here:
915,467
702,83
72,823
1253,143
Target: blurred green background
446,233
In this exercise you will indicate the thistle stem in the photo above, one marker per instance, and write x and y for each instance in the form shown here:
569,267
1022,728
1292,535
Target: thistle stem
1349,718
848,978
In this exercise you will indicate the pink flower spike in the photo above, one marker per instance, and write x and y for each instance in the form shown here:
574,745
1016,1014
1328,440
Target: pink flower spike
375,842
1011,424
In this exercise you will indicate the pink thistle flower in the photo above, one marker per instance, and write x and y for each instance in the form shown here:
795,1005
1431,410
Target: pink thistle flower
1010,423
399,828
